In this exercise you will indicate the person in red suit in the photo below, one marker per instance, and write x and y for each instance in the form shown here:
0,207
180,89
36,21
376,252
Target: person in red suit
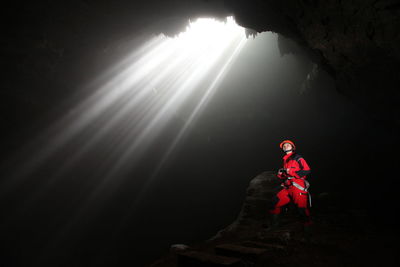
294,185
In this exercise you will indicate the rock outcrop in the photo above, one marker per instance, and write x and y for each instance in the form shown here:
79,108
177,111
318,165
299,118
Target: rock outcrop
340,237
253,215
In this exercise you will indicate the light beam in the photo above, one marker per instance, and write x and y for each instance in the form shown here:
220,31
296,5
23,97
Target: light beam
129,111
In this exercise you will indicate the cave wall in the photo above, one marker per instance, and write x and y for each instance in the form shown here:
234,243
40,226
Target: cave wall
50,48
357,42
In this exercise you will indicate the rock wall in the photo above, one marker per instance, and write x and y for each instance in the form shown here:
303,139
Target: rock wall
357,42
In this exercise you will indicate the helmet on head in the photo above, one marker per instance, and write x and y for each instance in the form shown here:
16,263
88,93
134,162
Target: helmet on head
287,141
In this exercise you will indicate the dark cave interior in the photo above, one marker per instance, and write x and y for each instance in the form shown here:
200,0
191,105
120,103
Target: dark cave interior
346,122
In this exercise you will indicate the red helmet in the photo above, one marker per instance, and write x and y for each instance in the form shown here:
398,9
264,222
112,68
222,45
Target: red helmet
287,141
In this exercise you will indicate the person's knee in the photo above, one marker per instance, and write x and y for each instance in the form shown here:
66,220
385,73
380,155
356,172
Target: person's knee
276,210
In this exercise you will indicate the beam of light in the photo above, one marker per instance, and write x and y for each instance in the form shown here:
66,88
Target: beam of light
195,113
130,111
201,51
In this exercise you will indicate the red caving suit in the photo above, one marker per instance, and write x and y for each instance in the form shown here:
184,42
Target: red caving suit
294,186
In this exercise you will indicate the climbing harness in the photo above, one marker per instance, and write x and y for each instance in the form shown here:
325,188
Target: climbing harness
305,189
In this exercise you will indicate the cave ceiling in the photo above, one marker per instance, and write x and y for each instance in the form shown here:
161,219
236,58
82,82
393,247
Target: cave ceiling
357,42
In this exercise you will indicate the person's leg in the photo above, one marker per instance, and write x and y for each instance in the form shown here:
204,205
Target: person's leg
301,200
281,199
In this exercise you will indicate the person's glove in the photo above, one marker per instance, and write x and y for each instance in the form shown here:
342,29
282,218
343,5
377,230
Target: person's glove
282,171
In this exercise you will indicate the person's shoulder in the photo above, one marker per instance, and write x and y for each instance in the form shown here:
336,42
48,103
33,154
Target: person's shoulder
297,157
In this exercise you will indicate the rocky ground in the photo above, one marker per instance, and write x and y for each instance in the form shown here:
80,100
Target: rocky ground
339,237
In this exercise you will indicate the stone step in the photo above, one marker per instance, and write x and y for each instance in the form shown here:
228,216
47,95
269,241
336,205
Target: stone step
202,259
277,236
246,253
257,244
